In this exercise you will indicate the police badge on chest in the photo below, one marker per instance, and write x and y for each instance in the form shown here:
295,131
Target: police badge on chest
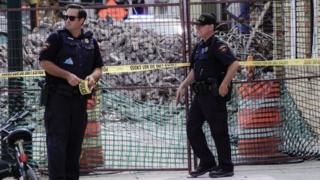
204,50
86,43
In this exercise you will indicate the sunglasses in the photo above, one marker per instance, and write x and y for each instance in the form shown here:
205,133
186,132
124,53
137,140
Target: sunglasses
71,18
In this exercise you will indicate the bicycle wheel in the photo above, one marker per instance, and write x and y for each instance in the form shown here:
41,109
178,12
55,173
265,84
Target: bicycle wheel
30,174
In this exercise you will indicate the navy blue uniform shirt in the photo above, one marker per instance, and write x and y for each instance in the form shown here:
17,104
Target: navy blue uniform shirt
79,55
211,59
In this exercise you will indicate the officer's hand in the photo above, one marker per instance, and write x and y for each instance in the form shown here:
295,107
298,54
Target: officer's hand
91,82
73,80
223,89
180,94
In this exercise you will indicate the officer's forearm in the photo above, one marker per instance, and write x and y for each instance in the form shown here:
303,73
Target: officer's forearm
96,74
189,79
232,70
53,69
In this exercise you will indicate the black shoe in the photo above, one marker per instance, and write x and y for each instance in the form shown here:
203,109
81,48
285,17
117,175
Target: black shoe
221,173
201,170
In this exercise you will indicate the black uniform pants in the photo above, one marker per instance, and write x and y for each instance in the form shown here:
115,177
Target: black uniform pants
65,123
212,109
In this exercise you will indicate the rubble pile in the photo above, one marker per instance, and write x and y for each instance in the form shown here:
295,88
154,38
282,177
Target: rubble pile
120,44
261,49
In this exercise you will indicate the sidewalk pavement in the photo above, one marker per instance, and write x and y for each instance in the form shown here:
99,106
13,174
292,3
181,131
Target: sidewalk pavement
308,170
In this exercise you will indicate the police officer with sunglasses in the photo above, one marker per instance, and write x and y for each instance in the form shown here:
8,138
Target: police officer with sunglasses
212,68
69,56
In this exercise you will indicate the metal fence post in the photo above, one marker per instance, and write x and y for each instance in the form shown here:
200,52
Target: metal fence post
15,63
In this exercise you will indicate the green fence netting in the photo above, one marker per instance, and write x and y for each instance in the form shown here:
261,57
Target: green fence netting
125,132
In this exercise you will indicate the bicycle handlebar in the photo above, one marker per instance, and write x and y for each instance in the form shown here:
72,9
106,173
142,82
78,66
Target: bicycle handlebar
15,118
23,115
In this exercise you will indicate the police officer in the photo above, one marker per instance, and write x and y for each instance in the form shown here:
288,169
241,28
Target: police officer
212,68
68,56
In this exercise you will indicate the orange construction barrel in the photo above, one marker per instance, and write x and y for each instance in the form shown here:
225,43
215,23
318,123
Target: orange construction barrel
259,119
92,154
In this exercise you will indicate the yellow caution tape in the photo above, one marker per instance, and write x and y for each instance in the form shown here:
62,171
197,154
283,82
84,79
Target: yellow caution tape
141,67
105,69
84,87
285,62
22,74
149,67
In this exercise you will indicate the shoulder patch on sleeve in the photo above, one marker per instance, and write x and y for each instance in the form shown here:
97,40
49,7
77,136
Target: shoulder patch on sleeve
223,48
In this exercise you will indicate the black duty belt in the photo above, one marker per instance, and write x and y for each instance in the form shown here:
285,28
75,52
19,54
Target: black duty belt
206,87
61,89
67,90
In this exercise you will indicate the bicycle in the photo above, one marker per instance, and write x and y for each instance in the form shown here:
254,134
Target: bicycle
12,140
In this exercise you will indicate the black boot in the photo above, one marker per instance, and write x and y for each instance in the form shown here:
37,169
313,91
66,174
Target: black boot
221,173
201,170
